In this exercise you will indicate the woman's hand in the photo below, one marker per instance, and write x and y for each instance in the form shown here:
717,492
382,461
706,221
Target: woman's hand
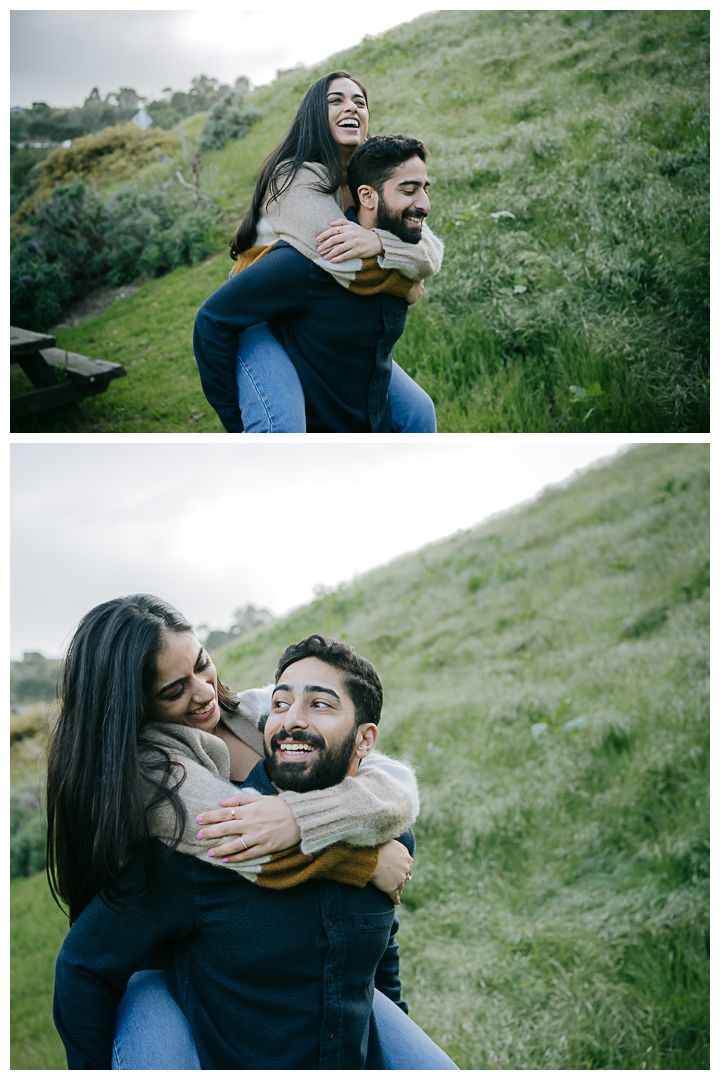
346,240
416,292
262,824
393,869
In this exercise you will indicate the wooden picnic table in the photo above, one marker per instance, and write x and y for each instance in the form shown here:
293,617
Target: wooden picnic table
41,361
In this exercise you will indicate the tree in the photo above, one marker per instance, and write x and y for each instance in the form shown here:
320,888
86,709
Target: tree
246,620
229,117
128,99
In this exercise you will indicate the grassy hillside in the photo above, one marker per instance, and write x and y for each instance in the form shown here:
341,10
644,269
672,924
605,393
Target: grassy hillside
546,673
570,183
37,931
37,926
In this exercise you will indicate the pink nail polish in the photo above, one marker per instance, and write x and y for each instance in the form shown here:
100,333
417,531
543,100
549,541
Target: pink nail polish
226,860
198,820
211,854
199,836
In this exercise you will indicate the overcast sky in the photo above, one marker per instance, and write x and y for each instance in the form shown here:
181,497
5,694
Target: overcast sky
213,527
59,56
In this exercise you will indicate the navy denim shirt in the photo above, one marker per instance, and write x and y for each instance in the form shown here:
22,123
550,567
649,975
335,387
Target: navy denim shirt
268,979
339,342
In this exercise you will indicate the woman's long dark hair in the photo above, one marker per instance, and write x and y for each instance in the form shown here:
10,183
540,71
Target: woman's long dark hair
307,139
96,783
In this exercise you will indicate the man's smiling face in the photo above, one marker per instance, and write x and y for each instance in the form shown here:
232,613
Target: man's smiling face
403,202
310,734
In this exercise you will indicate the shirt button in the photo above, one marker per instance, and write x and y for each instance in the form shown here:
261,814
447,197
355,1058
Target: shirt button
329,922
332,978
331,1035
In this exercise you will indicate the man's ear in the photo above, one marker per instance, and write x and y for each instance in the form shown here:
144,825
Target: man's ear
367,197
366,738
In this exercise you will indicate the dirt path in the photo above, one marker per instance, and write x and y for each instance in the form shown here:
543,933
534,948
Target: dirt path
96,302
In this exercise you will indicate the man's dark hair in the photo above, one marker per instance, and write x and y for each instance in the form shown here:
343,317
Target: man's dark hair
361,679
377,159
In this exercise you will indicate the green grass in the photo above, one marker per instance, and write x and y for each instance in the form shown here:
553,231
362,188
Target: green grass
558,913
37,931
588,309
151,334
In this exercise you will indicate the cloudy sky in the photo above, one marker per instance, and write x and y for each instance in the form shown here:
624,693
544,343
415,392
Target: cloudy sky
212,527
59,56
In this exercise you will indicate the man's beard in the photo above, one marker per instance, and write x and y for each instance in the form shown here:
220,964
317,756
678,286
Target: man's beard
394,222
329,766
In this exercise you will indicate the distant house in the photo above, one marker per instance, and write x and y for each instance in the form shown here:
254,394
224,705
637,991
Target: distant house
16,109
142,120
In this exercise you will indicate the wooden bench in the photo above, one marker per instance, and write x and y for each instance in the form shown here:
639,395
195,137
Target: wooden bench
41,362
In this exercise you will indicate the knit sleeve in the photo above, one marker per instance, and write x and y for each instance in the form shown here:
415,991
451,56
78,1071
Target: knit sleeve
302,212
415,261
280,870
202,788
200,791
377,805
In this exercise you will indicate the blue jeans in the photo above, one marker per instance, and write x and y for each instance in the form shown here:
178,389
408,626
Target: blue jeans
151,1032
271,396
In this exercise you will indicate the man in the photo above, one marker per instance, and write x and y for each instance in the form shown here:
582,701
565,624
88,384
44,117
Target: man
266,979
339,342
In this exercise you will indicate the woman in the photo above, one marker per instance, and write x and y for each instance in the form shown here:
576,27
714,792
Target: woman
134,755
300,193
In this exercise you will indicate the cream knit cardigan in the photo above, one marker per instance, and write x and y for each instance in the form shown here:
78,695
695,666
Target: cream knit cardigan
380,803
302,212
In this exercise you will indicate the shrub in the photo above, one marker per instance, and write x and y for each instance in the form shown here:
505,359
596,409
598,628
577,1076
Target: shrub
76,242
28,831
116,152
62,255
32,679
229,118
156,231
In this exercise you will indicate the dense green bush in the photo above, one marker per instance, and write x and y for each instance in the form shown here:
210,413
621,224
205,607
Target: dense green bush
229,118
28,831
24,172
76,242
113,154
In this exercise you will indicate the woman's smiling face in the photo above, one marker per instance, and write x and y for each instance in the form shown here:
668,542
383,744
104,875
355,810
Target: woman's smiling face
347,113
185,690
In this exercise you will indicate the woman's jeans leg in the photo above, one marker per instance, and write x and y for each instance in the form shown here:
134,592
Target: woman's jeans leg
411,407
405,1045
151,1031
270,394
